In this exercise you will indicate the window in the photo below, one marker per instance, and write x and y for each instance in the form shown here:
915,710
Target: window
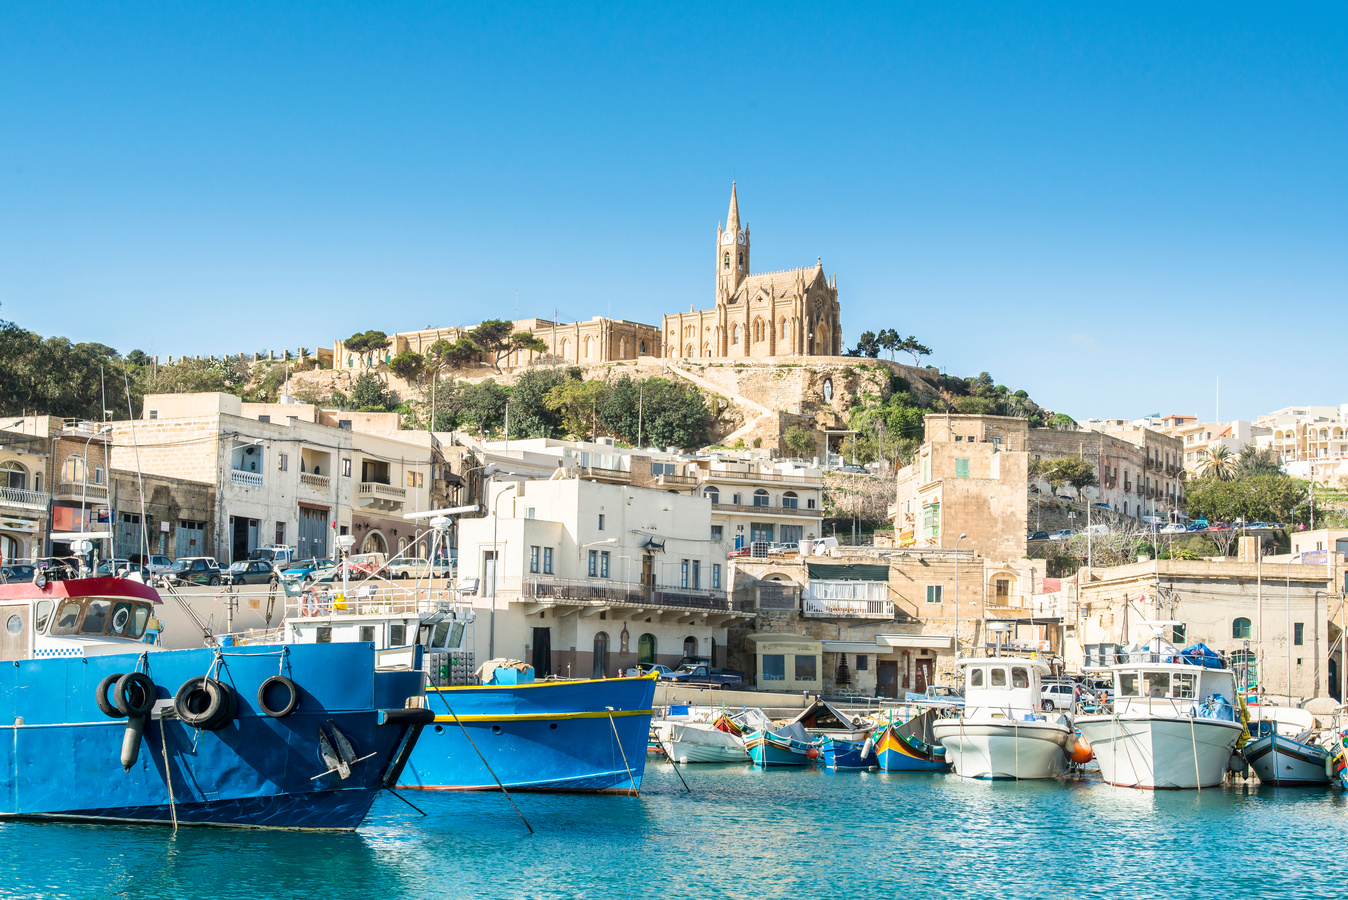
154,414
604,558
1240,628
716,576
367,634
717,532
790,500
95,617
1184,686
547,560
1298,633
344,424
281,533
283,462
346,468
806,667
1020,677
725,263
734,334
98,474
683,574
594,563
761,497
601,521
997,677
934,592
863,662
961,468
535,555
1156,684
735,499
44,608
975,678
712,493
809,503
324,635
73,471
397,635
774,667
690,646
697,575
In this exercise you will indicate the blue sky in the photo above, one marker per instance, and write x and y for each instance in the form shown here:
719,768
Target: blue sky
1109,206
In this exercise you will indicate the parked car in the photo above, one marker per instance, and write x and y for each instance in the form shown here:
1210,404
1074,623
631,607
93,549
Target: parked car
278,555
1037,536
112,567
193,570
307,569
419,568
1062,534
936,693
663,672
17,572
1199,525
157,563
249,571
703,674
1096,530
1057,696
1172,528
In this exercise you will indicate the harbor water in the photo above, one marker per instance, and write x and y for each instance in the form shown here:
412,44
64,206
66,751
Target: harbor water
740,833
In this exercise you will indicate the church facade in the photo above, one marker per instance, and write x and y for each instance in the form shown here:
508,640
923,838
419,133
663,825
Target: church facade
792,312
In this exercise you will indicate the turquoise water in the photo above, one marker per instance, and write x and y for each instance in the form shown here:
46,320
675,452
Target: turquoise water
740,833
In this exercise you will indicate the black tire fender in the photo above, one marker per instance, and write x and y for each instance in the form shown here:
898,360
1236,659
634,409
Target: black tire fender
204,703
105,706
292,700
134,694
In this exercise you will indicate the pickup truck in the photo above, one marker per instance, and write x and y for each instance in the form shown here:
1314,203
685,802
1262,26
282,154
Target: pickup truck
936,693
418,568
704,674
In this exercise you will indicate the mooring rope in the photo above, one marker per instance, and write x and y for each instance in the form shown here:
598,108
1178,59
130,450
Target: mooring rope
630,776
168,775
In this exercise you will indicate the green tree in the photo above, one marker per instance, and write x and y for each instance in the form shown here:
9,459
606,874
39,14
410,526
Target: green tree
495,339
1217,462
889,339
1253,461
867,345
408,365
1065,470
910,345
529,414
800,441
576,404
363,342
482,405
1063,422
676,414
1259,498
371,394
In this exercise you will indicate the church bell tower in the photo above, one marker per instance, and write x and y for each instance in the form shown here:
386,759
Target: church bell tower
732,252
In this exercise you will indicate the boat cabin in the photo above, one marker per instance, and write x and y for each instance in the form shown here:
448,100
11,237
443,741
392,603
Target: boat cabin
79,617
1176,686
1003,682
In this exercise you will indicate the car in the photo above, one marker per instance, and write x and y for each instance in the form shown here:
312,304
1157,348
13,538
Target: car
1218,526
403,569
1062,534
1057,696
1200,525
112,567
17,572
700,673
157,563
853,470
1037,536
936,693
276,554
662,672
1172,528
193,570
307,569
249,571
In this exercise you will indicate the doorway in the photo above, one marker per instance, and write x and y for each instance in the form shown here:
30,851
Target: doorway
925,674
600,655
489,573
887,678
244,534
646,649
542,658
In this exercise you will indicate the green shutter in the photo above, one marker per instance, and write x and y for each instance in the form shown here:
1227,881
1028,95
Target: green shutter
961,468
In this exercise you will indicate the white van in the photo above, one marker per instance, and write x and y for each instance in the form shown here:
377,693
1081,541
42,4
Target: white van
1096,530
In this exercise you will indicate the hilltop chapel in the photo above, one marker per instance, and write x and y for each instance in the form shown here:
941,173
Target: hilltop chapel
791,312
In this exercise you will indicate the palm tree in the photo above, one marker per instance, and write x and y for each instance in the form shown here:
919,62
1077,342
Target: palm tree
1218,461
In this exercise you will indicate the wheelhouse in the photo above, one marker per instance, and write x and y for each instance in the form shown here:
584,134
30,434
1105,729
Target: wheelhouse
74,618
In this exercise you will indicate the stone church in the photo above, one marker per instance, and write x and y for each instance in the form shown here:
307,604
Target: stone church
792,312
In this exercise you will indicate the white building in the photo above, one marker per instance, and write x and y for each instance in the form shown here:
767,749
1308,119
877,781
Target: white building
585,578
1311,441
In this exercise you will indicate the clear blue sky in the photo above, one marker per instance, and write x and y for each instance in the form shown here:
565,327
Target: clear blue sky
1107,206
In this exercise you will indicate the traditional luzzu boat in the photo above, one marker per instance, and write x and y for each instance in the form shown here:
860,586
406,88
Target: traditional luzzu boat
1285,748
840,754
1002,732
101,726
788,746
1175,721
718,741
910,746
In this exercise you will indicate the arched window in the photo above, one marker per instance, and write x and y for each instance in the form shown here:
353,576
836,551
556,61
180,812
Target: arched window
1240,628
688,351
73,471
790,500
641,348
783,327
374,543
734,334
741,262
689,646
622,348
706,349
760,497
13,475
588,346
712,493
563,348
600,655
727,262
646,649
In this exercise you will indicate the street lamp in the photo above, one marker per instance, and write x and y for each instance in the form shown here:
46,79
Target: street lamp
957,600
84,489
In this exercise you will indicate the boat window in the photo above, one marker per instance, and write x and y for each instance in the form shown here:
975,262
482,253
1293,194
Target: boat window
1020,678
140,617
1183,686
44,608
121,615
997,677
439,633
67,617
975,678
1127,684
1156,684
397,635
95,617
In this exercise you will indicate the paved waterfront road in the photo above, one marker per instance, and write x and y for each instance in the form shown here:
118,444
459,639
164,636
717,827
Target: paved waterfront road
742,833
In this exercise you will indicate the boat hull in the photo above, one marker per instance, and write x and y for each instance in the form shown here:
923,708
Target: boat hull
989,750
568,736
701,743
893,754
1282,761
767,749
840,753
61,756
1161,752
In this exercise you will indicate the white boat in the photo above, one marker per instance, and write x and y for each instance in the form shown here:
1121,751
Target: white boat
1002,732
718,741
1174,723
1286,750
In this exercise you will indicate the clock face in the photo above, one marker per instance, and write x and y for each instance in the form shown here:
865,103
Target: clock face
741,237
728,237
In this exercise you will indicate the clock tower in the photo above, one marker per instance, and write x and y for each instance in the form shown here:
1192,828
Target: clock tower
732,252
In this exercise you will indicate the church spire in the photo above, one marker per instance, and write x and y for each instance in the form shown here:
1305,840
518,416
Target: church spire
732,223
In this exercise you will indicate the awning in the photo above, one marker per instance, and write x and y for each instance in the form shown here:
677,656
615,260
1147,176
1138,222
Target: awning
856,572
915,641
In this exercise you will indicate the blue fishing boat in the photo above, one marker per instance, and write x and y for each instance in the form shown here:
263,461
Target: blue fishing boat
100,726
910,747
788,746
588,735
841,753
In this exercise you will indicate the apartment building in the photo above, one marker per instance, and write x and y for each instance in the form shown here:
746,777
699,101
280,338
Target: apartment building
1141,470
1310,441
586,577
1200,438
24,501
73,482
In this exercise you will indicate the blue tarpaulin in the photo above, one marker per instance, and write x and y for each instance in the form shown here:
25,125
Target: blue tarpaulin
1202,655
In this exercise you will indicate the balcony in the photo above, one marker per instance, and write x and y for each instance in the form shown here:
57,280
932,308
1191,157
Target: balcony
775,477
604,591
847,599
316,482
681,480
600,473
383,497
247,479
68,491
17,498
768,510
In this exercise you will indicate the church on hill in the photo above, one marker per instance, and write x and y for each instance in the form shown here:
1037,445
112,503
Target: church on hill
792,312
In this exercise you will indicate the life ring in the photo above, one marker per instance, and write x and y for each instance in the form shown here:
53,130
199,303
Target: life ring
292,698
309,604
105,705
134,694
205,703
